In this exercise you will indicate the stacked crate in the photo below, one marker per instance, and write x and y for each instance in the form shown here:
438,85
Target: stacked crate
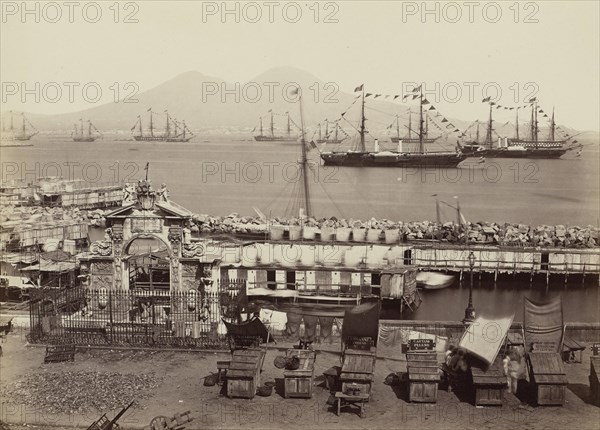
423,371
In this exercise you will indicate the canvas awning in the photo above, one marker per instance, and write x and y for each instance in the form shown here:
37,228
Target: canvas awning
362,321
484,337
543,324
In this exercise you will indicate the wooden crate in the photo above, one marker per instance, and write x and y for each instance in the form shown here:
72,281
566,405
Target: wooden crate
243,375
299,382
594,383
358,370
548,377
489,385
423,377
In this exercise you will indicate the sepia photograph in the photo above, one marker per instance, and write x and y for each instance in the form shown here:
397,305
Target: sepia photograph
354,214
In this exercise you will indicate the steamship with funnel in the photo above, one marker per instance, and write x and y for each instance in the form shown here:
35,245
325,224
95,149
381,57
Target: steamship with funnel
419,158
532,147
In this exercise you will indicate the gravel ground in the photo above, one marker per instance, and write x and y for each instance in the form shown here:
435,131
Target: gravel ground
165,383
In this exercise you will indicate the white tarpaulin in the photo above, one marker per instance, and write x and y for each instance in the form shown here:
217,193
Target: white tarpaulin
484,337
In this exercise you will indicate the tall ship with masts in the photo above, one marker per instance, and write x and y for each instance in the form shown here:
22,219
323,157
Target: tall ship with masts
412,136
330,136
85,134
361,157
12,132
531,147
174,131
271,136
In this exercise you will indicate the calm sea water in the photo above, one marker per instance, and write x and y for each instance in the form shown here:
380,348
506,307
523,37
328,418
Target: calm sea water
220,175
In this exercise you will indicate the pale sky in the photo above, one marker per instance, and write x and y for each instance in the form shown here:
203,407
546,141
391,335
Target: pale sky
370,43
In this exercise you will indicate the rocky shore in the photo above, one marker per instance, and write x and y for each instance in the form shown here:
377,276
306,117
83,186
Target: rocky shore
325,229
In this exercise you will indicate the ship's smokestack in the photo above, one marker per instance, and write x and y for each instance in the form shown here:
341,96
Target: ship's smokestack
400,145
376,145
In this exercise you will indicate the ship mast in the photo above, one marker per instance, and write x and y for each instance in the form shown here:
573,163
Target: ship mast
335,136
89,128
140,121
289,130
304,159
477,134
272,125
184,128
421,131
397,126
261,128
426,125
409,124
151,126
23,117
168,125
517,125
320,131
11,121
488,135
80,131
552,125
534,122
326,129
362,122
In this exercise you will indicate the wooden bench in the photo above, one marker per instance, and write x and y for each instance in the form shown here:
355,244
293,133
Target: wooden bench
351,400
55,354
489,384
222,367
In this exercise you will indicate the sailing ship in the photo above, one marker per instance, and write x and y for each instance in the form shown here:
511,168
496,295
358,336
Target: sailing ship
398,158
80,136
271,137
411,137
328,134
13,133
533,147
175,131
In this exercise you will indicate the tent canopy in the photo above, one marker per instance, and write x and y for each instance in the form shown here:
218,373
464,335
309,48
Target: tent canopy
362,321
251,329
484,337
543,324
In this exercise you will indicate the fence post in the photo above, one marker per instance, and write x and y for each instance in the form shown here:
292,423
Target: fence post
110,315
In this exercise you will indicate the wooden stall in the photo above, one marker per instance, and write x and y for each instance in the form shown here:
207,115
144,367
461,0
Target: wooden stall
299,382
423,371
548,376
543,334
482,340
359,345
247,357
